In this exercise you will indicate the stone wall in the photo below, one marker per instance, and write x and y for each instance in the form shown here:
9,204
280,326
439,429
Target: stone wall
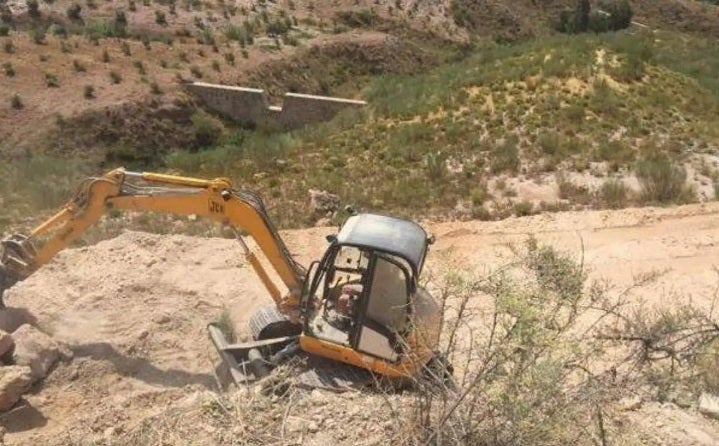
302,109
250,106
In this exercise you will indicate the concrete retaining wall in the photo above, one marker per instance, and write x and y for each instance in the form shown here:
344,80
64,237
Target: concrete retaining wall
247,106
302,109
250,106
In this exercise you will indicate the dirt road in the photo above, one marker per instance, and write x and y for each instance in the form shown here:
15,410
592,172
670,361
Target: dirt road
134,308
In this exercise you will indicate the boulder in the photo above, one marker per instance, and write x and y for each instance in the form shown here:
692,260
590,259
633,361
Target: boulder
37,350
709,405
15,380
323,202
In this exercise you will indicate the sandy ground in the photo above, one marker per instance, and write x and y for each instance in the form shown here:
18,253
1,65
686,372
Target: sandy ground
134,308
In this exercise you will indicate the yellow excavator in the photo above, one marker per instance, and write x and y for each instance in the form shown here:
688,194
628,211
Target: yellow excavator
358,311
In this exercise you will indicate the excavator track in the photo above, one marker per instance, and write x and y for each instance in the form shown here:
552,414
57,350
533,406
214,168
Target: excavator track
269,323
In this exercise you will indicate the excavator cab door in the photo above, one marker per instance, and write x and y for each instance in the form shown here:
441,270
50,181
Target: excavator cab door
385,316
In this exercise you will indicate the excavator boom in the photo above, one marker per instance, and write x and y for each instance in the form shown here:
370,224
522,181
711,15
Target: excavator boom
152,192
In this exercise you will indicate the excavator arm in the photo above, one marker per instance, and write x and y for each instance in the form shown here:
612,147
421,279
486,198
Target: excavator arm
124,190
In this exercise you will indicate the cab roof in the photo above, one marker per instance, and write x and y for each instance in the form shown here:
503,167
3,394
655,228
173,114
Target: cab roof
394,235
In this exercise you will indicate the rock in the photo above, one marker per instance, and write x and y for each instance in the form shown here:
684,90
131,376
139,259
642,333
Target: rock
14,381
312,427
323,222
709,405
681,399
162,319
37,350
630,403
7,345
322,202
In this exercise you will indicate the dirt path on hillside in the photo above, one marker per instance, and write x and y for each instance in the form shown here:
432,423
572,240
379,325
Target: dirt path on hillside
134,309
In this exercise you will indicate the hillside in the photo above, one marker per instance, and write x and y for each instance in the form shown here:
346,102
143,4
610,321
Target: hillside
555,123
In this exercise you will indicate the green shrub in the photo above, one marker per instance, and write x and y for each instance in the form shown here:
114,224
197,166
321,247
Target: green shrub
56,29
615,151
575,193
154,88
598,23
620,14
505,156
38,35
434,164
73,11
120,24
207,129
160,18
9,70
16,102
614,194
4,29
33,8
96,29
9,47
78,66
523,208
89,92
230,58
140,67
662,181
195,71
51,80
115,77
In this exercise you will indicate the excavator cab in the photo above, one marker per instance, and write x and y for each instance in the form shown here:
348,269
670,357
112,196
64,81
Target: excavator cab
359,296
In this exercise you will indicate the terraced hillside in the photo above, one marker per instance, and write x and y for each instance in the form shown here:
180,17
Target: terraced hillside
554,123
455,129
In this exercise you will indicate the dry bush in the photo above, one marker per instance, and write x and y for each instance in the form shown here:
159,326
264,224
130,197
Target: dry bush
534,366
663,181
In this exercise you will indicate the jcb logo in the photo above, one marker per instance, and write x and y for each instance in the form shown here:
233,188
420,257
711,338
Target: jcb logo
217,207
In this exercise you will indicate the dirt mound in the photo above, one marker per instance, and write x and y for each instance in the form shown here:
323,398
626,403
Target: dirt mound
134,310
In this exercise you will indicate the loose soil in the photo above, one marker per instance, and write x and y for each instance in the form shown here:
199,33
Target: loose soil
134,311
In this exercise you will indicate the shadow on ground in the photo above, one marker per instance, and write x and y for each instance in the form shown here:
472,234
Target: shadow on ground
23,417
12,317
142,368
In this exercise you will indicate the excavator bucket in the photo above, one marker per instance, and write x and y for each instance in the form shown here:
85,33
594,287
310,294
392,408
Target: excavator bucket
250,361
